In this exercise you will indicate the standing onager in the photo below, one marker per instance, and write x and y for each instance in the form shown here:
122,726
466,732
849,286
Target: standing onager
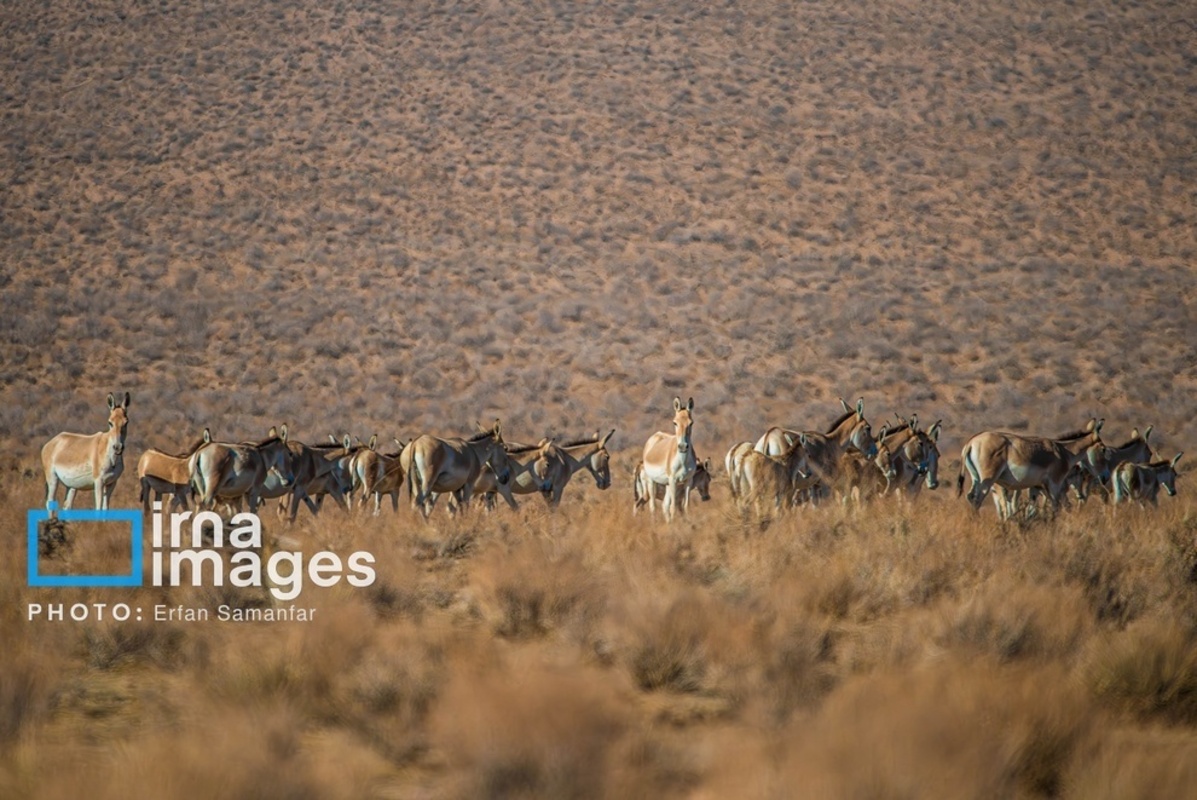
776,478
1143,481
82,461
1012,462
334,477
162,473
646,491
1136,450
823,450
733,462
521,479
557,465
435,466
861,478
914,455
227,472
669,458
375,474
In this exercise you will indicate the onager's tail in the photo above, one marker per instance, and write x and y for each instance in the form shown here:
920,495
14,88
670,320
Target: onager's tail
960,477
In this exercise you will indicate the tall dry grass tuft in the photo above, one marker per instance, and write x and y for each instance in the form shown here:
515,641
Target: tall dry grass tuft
1149,669
948,729
537,586
523,730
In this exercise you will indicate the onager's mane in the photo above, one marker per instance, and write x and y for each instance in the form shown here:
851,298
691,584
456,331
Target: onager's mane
481,436
840,421
580,442
190,451
516,449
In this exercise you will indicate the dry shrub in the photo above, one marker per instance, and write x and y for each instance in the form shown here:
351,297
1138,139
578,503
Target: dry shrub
227,751
538,586
946,729
686,641
1113,568
843,589
1150,669
798,668
529,730
113,644
1135,764
1010,620
25,690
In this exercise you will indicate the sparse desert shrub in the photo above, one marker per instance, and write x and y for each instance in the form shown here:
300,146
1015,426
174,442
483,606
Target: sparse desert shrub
1010,621
530,590
1149,669
1034,723
520,732
115,644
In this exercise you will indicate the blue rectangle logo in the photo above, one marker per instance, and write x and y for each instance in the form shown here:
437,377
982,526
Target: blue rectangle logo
132,516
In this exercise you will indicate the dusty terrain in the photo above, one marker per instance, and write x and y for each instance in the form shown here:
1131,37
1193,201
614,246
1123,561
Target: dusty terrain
371,218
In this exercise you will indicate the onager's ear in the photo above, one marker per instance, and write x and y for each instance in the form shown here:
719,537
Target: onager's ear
677,404
207,436
884,432
607,438
283,433
860,408
126,403
111,401
272,433
1176,458
1147,433
373,441
934,431
847,408
690,405
347,442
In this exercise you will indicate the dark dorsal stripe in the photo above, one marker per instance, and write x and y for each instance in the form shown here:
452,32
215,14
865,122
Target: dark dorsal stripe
580,442
840,421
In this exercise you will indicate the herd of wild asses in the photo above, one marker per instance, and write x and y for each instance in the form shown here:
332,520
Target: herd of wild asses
782,469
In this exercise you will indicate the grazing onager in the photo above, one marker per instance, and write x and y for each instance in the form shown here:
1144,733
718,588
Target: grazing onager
669,459
88,461
1142,482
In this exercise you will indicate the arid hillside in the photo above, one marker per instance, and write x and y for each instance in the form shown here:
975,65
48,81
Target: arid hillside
401,218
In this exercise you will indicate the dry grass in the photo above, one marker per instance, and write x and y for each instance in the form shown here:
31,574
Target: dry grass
402,220
591,653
